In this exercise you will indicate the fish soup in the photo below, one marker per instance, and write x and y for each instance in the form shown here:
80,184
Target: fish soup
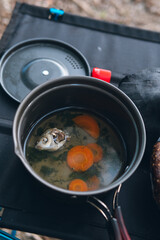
75,150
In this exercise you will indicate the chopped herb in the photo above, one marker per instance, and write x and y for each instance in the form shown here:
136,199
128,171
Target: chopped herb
104,142
39,131
34,155
87,174
84,138
54,157
75,132
63,156
47,170
51,125
60,157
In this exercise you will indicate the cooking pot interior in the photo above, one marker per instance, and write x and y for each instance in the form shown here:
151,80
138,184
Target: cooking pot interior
89,94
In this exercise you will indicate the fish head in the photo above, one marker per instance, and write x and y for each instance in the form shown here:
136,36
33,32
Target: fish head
44,143
52,140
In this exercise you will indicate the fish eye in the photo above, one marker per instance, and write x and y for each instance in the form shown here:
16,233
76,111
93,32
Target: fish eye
54,135
45,140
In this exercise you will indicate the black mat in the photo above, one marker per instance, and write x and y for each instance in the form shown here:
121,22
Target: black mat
29,206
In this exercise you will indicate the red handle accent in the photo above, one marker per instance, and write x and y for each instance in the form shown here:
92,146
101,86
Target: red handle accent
102,74
122,226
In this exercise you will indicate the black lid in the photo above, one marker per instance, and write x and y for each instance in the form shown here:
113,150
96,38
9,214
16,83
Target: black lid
33,62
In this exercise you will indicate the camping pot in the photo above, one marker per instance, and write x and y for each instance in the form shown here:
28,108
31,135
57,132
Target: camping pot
84,92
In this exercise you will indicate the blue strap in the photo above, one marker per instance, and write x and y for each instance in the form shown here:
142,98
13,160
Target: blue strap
56,13
13,234
0,211
6,236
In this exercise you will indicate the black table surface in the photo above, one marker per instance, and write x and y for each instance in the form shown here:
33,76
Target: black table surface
28,205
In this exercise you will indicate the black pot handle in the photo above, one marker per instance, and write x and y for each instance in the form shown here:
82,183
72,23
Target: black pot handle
116,230
6,126
118,226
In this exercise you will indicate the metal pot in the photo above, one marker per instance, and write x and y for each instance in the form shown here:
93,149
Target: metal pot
88,93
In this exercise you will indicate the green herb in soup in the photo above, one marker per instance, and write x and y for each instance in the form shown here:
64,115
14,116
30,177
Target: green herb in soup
75,150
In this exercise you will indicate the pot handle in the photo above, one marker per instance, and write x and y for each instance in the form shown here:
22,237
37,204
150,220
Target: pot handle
6,125
115,226
105,211
155,172
118,215
121,224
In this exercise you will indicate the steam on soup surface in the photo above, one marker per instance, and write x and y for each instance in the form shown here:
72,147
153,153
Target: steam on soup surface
91,158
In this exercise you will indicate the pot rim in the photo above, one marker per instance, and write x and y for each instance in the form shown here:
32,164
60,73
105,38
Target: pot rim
29,99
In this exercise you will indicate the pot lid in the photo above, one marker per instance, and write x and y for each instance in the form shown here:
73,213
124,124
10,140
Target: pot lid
33,62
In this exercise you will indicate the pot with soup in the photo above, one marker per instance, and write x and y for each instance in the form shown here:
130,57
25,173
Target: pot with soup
79,135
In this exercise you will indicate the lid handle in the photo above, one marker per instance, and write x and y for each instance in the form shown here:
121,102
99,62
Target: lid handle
102,74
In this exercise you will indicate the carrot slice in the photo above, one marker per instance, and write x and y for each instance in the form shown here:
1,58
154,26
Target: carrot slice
78,185
80,158
97,151
89,124
93,183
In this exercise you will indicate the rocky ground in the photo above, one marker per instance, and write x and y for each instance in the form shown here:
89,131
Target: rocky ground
136,13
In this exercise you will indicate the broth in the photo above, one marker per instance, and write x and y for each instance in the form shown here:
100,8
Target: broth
53,166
